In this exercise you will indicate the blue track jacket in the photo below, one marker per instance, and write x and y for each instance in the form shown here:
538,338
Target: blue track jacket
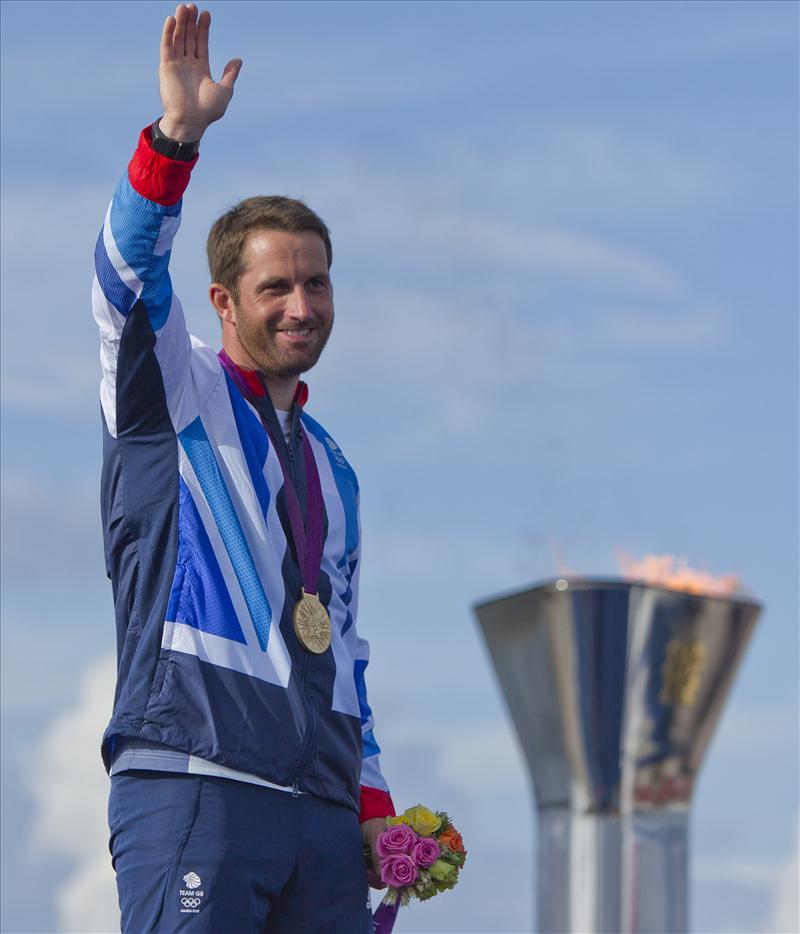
196,542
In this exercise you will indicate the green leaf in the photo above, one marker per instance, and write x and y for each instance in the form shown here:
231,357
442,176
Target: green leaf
446,822
450,857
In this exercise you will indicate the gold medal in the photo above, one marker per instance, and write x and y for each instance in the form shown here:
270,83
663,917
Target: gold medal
312,624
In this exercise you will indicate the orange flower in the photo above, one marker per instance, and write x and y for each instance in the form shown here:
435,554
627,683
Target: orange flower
452,839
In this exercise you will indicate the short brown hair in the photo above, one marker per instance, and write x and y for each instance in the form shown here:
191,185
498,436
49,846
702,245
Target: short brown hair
228,234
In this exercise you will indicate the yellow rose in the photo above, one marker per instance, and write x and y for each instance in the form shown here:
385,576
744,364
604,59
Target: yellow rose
422,821
394,821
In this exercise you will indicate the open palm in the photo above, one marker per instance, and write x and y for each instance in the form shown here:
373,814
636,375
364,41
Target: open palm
192,100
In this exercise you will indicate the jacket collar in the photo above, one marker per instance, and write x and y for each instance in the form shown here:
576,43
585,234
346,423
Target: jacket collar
255,384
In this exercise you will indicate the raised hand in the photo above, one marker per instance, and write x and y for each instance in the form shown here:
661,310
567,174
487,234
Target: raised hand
192,100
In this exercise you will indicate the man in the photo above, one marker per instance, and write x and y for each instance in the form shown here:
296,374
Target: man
240,746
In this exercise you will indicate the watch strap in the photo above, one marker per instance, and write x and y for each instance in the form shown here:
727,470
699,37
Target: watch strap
171,148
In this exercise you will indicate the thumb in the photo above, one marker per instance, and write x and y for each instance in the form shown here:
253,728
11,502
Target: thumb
231,73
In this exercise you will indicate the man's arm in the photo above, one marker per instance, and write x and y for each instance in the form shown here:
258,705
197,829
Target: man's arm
132,291
376,801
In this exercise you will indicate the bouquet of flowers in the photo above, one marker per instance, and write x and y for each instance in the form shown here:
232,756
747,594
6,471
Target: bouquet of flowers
421,854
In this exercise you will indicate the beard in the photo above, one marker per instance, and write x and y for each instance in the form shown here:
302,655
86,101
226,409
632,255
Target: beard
276,357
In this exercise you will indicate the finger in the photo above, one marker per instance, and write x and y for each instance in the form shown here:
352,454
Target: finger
203,25
166,38
179,36
191,30
231,73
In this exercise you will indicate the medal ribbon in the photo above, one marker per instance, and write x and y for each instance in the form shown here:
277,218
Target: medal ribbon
307,535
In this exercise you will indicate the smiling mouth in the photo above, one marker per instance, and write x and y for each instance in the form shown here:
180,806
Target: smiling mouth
295,332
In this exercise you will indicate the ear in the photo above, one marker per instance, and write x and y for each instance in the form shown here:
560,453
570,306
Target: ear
223,303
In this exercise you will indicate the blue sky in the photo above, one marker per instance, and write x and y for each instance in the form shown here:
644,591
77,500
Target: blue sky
565,261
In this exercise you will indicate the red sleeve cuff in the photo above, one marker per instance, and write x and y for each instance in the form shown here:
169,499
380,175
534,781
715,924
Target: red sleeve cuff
157,177
375,803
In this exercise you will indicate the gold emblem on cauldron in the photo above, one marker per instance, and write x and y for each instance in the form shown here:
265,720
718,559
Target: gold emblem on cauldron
681,672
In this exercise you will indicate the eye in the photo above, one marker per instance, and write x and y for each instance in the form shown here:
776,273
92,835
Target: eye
276,287
318,284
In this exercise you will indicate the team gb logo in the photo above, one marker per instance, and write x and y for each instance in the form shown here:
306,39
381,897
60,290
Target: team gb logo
192,880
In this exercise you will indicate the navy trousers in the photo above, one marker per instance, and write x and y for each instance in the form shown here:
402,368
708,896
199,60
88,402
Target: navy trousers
202,854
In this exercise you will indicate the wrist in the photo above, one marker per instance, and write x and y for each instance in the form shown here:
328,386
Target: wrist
181,131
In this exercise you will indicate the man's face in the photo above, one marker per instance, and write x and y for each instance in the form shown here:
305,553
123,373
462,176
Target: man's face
284,314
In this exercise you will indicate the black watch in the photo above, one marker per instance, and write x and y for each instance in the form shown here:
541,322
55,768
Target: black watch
171,148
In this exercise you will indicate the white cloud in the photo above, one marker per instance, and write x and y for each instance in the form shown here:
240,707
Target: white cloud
404,549
483,759
485,240
72,384
50,345
674,330
70,791
474,771
777,879
784,918
739,872
742,733
536,248
87,902
722,37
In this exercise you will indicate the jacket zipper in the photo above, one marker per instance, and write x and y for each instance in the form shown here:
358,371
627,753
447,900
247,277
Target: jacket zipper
311,730
289,448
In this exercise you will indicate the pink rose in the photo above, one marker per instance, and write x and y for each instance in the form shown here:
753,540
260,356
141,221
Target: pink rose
399,871
425,852
395,840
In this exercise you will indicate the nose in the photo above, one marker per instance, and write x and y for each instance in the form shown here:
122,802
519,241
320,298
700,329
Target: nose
299,306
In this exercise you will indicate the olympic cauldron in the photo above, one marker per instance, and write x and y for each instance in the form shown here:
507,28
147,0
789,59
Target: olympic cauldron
615,689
